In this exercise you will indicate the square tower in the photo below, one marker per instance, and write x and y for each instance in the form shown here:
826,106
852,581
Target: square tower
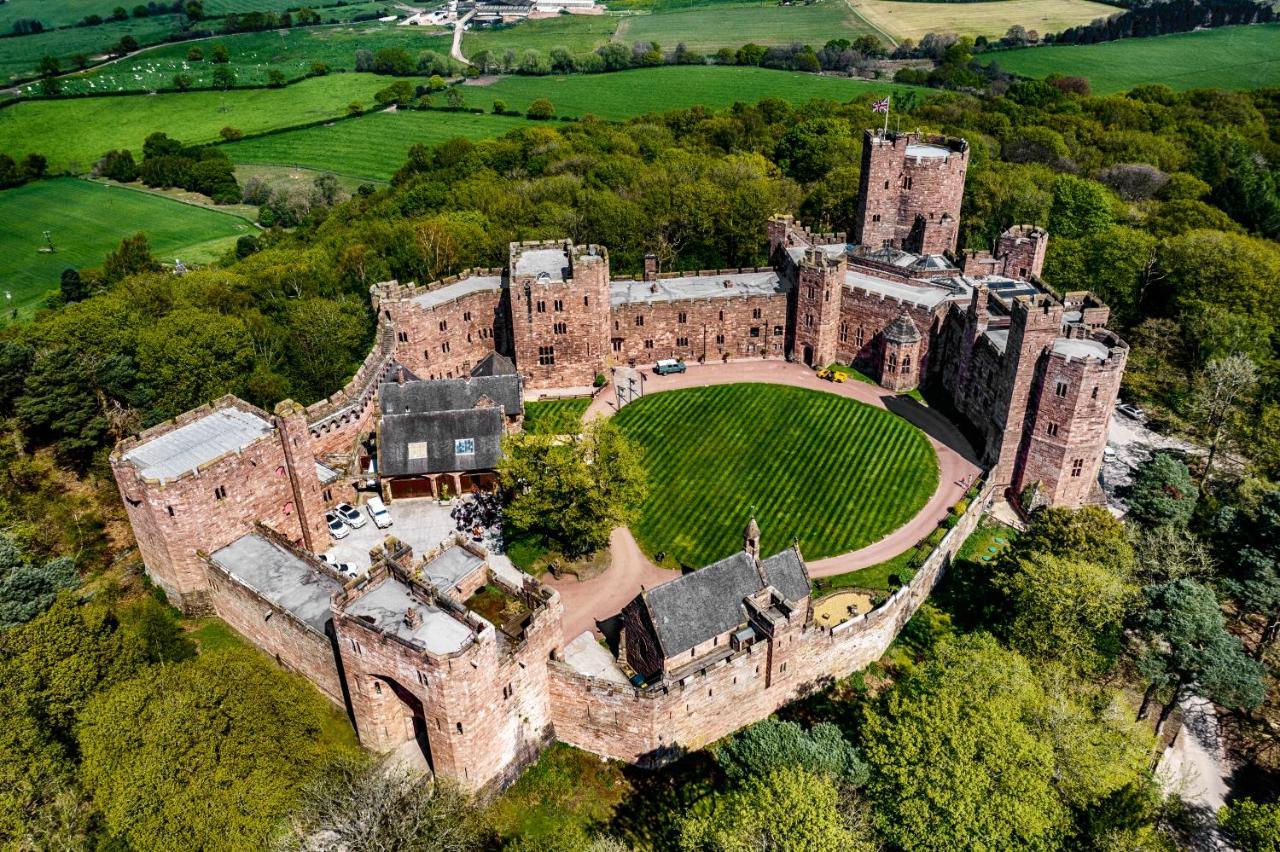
819,291
559,312
910,191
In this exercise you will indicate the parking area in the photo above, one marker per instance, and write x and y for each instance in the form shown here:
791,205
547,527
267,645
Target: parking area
420,523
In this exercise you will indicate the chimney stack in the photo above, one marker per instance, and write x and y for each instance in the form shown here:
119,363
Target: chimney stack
412,618
651,267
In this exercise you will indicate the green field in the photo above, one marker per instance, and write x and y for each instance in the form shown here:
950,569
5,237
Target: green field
578,33
75,133
253,56
52,13
629,93
903,19
721,25
555,416
20,56
86,220
833,472
373,146
1229,58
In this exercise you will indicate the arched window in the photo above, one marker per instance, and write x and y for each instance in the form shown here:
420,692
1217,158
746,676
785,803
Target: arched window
906,364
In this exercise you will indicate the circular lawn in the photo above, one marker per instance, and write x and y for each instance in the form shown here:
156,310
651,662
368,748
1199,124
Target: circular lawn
835,473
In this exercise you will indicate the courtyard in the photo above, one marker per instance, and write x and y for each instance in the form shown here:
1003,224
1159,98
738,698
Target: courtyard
420,523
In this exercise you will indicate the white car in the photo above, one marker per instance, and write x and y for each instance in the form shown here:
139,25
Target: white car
348,569
337,527
378,511
351,515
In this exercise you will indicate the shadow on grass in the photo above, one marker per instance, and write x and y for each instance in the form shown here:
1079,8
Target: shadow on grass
649,818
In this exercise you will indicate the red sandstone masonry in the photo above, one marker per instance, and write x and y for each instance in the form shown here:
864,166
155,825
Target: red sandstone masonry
654,725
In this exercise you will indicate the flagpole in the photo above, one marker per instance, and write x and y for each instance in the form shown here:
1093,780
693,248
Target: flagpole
888,104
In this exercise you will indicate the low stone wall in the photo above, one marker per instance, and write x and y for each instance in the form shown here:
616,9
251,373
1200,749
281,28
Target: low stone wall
653,725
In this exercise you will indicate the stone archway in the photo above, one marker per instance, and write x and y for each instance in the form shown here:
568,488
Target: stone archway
394,719
808,356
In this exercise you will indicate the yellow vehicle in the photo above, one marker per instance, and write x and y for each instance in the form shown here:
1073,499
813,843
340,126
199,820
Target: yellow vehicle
831,375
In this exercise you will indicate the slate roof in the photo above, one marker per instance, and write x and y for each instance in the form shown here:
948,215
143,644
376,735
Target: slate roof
438,430
452,394
902,330
494,364
708,602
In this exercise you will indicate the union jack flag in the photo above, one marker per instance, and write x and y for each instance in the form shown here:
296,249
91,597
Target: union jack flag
880,106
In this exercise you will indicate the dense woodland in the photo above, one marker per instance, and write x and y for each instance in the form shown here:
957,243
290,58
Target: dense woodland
1165,204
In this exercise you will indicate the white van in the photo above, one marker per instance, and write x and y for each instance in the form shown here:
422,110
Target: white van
378,511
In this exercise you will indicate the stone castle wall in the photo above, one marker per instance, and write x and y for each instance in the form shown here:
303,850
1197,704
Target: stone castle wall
700,330
911,203
652,725
561,328
872,313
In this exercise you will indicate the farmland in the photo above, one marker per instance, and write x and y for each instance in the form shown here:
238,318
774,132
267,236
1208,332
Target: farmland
720,25
902,19
86,220
372,147
1230,57
577,33
101,124
20,56
835,472
253,55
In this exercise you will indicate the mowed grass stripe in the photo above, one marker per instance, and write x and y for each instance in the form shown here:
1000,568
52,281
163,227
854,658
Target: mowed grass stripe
833,472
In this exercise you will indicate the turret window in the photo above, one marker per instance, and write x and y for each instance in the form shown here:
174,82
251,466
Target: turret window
1061,389
682,317
1052,430
755,313
639,321
1077,467
542,306
558,305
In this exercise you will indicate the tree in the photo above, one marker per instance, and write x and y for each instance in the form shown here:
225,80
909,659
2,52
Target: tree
182,82
58,405
275,78
73,288
219,54
812,148
541,109
1091,534
1080,207
575,491
361,804
1252,826
1163,492
326,339
29,587
49,66
499,107
195,54
771,744
1250,539
454,99
127,44
223,77
1187,650
1065,609
789,808
400,92
973,750
1167,553
1215,399
215,747
193,355
131,257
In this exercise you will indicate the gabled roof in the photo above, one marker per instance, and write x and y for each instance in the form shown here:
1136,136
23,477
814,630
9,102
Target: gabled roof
494,364
452,395
708,602
439,431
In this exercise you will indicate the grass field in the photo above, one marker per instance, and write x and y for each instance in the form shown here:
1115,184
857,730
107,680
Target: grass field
77,132
833,472
254,55
578,33
20,56
630,93
721,25
373,146
86,220
901,20
1229,57
555,416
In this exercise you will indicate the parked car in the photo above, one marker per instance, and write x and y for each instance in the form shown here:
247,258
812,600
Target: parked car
351,515
1128,409
378,511
337,527
668,365
832,375
348,569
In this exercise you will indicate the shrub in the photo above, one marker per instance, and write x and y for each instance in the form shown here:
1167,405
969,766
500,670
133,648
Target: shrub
117,165
319,69
256,191
231,134
499,107
541,110
195,54
960,508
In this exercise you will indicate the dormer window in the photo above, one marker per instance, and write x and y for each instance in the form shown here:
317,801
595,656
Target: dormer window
464,446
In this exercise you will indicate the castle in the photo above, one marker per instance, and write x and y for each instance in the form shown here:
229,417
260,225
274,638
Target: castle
455,650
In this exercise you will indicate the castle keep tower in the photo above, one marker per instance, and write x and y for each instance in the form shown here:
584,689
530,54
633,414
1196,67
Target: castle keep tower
818,293
559,312
910,192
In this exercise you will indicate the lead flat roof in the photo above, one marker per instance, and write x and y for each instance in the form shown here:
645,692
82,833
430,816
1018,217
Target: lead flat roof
1081,347
279,576
186,448
922,293
766,283
384,607
553,261
458,289
450,566
927,149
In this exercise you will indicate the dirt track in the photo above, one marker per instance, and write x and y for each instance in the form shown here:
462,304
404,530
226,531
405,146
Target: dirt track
602,597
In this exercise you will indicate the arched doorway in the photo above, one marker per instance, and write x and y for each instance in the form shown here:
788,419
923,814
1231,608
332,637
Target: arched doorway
395,718
808,356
